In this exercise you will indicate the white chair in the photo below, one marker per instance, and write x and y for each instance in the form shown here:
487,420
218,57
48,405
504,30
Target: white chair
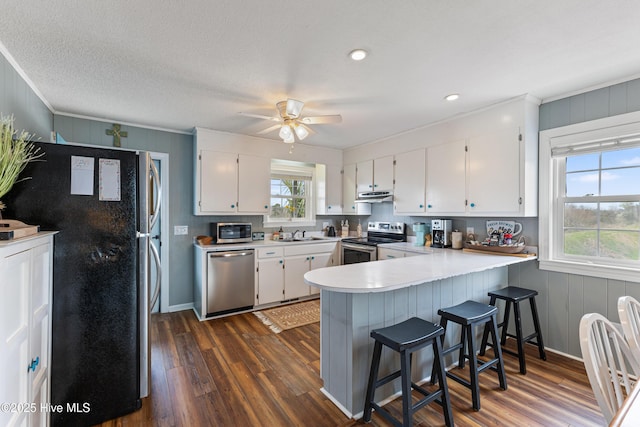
629,312
611,367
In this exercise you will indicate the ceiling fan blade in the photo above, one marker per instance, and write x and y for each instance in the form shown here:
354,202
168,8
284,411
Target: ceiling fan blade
269,129
320,120
260,116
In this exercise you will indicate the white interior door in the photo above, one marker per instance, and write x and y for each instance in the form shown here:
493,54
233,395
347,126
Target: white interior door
159,234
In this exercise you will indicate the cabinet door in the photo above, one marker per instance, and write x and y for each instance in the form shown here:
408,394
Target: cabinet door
218,181
409,193
349,193
15,271
40,322
446,183
383,174
328,189
364,176
270,280
494,173
254,177
333,183
320,261
294,269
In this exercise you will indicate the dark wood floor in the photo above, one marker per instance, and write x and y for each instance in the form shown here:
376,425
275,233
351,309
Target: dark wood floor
235,372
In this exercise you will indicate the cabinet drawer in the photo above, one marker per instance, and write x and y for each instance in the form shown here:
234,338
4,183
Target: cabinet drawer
309,249
270,252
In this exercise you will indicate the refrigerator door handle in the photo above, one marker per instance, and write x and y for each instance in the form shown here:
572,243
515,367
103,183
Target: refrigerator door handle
156,259
156,210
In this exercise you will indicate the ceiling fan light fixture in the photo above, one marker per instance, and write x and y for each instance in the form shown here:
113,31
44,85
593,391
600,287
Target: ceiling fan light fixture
285,132
294,108
289,140
301,132
358,54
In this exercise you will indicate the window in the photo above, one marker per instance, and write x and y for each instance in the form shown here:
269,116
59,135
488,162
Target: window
291,194
590,199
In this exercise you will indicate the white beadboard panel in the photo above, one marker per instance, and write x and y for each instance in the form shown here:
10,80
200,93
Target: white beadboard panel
595,295
564,298
618,99
576,311
615,288
558,312
632,289
347,319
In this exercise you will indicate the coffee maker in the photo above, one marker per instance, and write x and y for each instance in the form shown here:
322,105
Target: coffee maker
440,233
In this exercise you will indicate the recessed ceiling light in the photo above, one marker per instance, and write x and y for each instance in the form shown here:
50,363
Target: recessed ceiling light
452,97
358,54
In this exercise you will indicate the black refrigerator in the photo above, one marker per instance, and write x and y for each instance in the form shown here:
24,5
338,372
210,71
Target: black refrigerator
98,199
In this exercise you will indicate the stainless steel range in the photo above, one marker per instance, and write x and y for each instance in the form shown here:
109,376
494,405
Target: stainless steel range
363,249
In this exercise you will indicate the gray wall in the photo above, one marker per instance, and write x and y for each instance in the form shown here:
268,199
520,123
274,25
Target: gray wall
564,298
17,98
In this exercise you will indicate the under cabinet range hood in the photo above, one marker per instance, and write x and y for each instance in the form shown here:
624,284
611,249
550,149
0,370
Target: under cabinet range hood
375,197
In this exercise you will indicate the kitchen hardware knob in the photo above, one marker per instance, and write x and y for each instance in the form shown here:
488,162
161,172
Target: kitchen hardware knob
280,261
328,207
34,364
473,205
266,206
375,185
233,206
429,206
421,206
313,257
307,258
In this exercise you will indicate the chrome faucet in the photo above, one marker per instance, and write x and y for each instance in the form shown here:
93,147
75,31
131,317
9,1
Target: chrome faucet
295,234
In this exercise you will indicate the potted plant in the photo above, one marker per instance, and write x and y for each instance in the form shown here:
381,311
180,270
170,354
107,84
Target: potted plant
16,151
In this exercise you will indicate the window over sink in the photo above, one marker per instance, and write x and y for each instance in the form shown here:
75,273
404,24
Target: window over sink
292,198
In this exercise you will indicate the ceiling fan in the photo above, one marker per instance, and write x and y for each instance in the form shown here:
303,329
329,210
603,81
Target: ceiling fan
291,123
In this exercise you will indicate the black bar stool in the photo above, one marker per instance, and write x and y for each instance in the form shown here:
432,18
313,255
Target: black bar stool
515,295
470,314
406,338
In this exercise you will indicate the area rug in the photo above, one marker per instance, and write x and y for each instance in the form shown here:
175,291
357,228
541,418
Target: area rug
290,316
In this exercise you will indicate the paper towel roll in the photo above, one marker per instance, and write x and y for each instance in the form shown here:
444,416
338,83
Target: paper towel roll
456,240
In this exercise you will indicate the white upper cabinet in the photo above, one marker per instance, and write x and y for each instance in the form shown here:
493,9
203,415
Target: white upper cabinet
230,183
349,193
410,173
364,176
494,173
446,178
254,177
218,182
375,175
328,189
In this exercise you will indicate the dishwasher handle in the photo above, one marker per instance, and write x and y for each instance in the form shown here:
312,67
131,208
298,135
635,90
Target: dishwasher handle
229,254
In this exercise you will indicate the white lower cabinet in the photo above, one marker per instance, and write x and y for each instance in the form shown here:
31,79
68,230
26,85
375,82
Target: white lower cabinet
270,283
25,329
280,275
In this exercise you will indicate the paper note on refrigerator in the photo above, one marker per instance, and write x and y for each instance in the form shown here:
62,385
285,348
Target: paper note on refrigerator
109,176
82,175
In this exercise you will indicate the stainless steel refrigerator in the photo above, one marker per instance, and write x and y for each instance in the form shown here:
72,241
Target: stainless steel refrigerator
100,202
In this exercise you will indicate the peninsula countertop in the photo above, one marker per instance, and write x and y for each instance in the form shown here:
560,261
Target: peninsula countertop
391,274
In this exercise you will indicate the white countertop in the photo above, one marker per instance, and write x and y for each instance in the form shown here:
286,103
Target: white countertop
262,243
391,274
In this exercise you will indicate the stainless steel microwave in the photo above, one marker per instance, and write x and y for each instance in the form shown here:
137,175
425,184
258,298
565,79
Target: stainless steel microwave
230,232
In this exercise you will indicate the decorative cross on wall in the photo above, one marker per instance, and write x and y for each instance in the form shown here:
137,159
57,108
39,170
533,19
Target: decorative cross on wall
117,134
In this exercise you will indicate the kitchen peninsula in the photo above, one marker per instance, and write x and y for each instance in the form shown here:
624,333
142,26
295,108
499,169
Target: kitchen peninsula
357,298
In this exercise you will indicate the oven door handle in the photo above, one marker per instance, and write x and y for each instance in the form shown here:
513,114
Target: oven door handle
361,248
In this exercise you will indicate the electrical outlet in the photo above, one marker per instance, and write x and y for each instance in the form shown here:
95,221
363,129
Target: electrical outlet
180,230
470,230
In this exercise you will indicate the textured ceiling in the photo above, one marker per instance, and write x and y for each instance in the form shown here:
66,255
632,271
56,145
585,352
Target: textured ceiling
177,65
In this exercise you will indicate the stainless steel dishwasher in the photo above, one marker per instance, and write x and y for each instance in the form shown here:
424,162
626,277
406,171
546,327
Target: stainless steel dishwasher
230,281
